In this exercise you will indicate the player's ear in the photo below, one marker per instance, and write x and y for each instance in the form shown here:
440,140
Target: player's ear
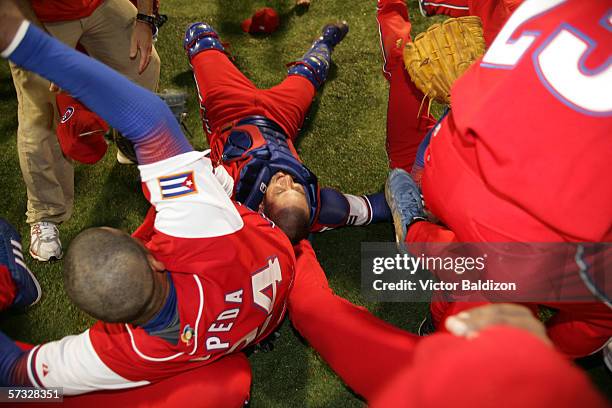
156,266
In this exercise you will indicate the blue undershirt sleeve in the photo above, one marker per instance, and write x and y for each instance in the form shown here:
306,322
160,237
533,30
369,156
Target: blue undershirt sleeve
137,113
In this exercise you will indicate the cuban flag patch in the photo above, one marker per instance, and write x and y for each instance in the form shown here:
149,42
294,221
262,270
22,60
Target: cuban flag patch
177,185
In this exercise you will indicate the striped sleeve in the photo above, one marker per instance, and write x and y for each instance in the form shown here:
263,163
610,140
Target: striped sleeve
73,364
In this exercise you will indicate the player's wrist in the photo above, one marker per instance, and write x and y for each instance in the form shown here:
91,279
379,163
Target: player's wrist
148,20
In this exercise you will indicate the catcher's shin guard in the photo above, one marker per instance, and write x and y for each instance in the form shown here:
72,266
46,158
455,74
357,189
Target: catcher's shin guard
201,37
314,65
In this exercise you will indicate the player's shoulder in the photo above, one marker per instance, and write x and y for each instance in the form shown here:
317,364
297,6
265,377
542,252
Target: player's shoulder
165,168
189,199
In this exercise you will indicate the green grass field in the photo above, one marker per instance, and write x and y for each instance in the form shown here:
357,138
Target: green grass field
342,142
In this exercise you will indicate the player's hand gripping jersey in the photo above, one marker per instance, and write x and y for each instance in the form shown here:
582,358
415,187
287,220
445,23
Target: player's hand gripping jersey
231,268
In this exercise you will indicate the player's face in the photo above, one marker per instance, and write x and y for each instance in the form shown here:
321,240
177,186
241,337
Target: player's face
284,191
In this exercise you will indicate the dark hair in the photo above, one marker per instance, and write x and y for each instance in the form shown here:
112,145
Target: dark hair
107,275
293,221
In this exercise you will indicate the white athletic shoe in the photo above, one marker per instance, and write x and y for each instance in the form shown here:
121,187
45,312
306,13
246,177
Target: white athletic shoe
44,241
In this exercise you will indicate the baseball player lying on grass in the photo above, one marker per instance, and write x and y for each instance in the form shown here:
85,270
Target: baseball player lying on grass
383,364
495,173
252,131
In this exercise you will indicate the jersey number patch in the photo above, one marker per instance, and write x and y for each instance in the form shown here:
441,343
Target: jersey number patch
559,61
265,280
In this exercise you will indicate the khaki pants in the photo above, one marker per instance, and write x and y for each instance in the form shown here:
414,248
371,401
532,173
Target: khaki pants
48,175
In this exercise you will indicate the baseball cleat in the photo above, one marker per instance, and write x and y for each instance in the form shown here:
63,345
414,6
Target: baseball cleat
45,244
11,256
314,65
334,33
405,202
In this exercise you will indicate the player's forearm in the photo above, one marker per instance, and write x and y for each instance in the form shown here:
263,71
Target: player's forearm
350,339
138,114
145,7
74,364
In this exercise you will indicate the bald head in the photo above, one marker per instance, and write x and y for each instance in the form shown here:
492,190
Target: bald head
107,275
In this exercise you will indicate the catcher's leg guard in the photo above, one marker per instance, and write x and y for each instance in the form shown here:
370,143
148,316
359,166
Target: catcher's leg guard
201,37
314,65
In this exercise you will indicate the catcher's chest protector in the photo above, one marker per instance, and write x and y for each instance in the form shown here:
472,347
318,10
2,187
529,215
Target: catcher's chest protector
257,148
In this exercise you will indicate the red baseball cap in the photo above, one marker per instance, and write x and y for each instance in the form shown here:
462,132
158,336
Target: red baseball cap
80,132
265,20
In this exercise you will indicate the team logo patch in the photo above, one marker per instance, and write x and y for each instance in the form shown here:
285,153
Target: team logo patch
177,185
67,115
187,335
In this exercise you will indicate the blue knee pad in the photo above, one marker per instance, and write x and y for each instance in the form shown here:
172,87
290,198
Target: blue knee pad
201,37
314,65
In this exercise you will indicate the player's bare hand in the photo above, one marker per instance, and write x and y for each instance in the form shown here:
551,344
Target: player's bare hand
470,323
54,88
142,42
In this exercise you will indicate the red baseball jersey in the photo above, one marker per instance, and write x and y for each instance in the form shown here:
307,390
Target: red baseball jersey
532,122
232,270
